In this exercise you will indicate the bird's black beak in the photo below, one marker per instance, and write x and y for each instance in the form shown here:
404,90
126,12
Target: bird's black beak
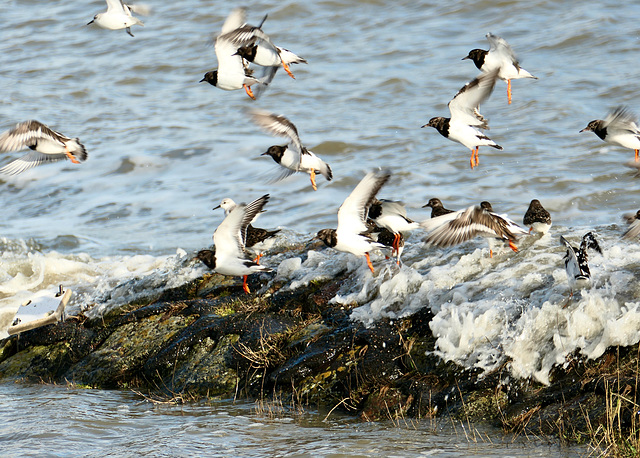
215,208
90,22
465,58
265,153
203,79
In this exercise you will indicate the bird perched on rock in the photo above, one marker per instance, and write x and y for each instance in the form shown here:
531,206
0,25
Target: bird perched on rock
257,240
618,128
537,218
231,73
633,220
118,16
437,208
351,235
46,144
576,261
465,117
457,227
292,157
500,56
228,257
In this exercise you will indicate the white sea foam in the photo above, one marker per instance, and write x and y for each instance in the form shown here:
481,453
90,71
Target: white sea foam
99,284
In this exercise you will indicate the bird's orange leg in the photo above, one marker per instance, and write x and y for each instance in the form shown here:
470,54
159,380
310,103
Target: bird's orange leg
312,174
249,91
473,152
513,246
490,253
286,69
477,157
530,229
637,151
509,91
75,161
366,255
257,259
245,287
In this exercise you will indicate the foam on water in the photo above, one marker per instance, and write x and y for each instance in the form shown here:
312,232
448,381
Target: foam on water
99,284
514,307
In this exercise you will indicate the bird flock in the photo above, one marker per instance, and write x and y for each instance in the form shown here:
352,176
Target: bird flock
248,59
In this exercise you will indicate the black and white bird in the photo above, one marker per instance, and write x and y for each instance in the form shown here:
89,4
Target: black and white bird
387,238
351,235
465,118
293,157
457,227
46,144
537,219
437,208
229,257
231,73
633,220
500,56
119,16
620,127
266,56
257,240
392,215
576,261
255,46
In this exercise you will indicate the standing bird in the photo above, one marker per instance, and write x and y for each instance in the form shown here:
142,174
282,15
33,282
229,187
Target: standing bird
231,74
293,157
457,227
437,208
257,240
576,261
500,56
392,216
46,144
228,257
537,218
465,117
351,235
118,16
633,220
620,127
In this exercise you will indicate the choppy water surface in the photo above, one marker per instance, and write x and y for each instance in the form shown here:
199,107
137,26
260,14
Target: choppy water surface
57,421
165,149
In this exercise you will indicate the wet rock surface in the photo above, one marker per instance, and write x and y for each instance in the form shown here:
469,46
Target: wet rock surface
209,339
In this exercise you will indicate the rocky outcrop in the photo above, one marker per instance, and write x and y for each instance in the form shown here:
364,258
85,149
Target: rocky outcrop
209,339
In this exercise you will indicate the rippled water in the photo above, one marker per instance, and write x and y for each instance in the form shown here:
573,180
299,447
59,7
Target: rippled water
56,421
164,149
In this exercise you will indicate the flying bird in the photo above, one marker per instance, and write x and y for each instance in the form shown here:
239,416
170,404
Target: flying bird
620,127
46,144
457,227
392,215
231,73
633,220
352,236
255,46
499,57
118,16
465,117
293,157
